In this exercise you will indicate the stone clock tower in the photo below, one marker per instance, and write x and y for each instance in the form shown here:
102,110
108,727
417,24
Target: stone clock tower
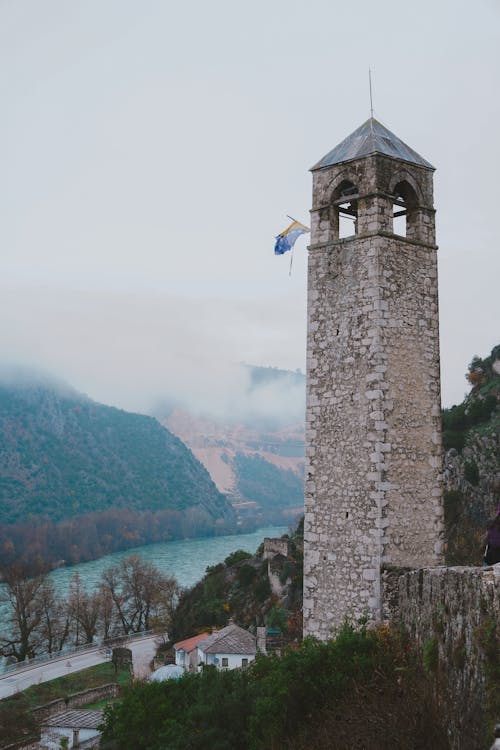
373,426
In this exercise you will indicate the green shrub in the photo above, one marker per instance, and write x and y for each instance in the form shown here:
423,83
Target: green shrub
471,472
453,506
453,439
246,574
431,655
262,589
359,690
235,557
277,617
287,571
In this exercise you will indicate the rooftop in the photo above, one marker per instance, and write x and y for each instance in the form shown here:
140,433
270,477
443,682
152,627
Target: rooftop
230,640
188,644
371,138
76,719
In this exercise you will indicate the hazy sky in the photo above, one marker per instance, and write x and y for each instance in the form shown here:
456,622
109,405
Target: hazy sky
150,150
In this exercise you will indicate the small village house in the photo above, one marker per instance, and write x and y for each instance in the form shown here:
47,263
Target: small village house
186,655
80,727
230,648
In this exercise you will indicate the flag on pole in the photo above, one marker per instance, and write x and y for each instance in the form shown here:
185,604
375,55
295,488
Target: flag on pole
286,239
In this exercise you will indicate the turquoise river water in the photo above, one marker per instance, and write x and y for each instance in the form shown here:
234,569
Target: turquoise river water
185,559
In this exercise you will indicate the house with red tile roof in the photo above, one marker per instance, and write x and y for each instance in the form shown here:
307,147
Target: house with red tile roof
186,652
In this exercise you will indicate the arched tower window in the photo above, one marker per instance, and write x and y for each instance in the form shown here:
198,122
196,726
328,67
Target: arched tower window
405,210
345,203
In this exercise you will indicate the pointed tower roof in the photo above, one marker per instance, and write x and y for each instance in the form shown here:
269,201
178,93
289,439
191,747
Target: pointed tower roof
371,138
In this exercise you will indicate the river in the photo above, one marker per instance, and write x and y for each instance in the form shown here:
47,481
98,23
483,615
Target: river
185,559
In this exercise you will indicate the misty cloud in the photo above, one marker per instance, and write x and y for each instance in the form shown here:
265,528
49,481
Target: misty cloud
136,352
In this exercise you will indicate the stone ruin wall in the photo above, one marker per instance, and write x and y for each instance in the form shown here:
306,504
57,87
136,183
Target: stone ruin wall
455,613
274,546
275,552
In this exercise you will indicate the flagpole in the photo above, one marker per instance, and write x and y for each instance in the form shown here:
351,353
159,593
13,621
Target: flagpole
291,261
371,97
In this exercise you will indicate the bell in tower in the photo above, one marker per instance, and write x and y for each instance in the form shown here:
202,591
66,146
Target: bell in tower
373,427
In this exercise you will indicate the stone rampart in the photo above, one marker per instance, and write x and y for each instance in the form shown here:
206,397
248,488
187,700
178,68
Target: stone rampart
453,616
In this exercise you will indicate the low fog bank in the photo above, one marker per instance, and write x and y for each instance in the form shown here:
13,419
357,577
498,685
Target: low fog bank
23,377
149,354
273,400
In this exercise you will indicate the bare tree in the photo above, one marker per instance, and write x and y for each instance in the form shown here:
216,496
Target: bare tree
106,612
55,622
142,596
24,596
84,610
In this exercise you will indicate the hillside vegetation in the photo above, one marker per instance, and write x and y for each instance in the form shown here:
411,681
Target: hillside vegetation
472,462
240,588
64,457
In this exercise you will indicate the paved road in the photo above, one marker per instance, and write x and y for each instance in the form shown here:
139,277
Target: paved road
143,650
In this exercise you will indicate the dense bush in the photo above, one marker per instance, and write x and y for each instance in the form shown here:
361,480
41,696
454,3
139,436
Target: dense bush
471,472
277,700
235,557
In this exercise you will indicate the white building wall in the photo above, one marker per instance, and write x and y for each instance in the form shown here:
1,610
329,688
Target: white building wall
234,661
180,657
51,737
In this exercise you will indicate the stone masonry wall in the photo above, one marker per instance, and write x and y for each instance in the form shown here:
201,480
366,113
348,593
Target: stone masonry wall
373,493
453,614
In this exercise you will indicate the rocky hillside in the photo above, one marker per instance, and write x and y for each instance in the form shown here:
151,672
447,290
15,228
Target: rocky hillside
256,456
472,463
254,590
64,456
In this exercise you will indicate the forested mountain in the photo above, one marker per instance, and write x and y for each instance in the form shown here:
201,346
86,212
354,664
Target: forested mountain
64,456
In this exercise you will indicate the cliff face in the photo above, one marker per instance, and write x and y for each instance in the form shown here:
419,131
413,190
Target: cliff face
472,462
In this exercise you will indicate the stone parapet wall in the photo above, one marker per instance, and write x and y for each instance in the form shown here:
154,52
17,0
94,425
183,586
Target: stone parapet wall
77,700
453,616
21,745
